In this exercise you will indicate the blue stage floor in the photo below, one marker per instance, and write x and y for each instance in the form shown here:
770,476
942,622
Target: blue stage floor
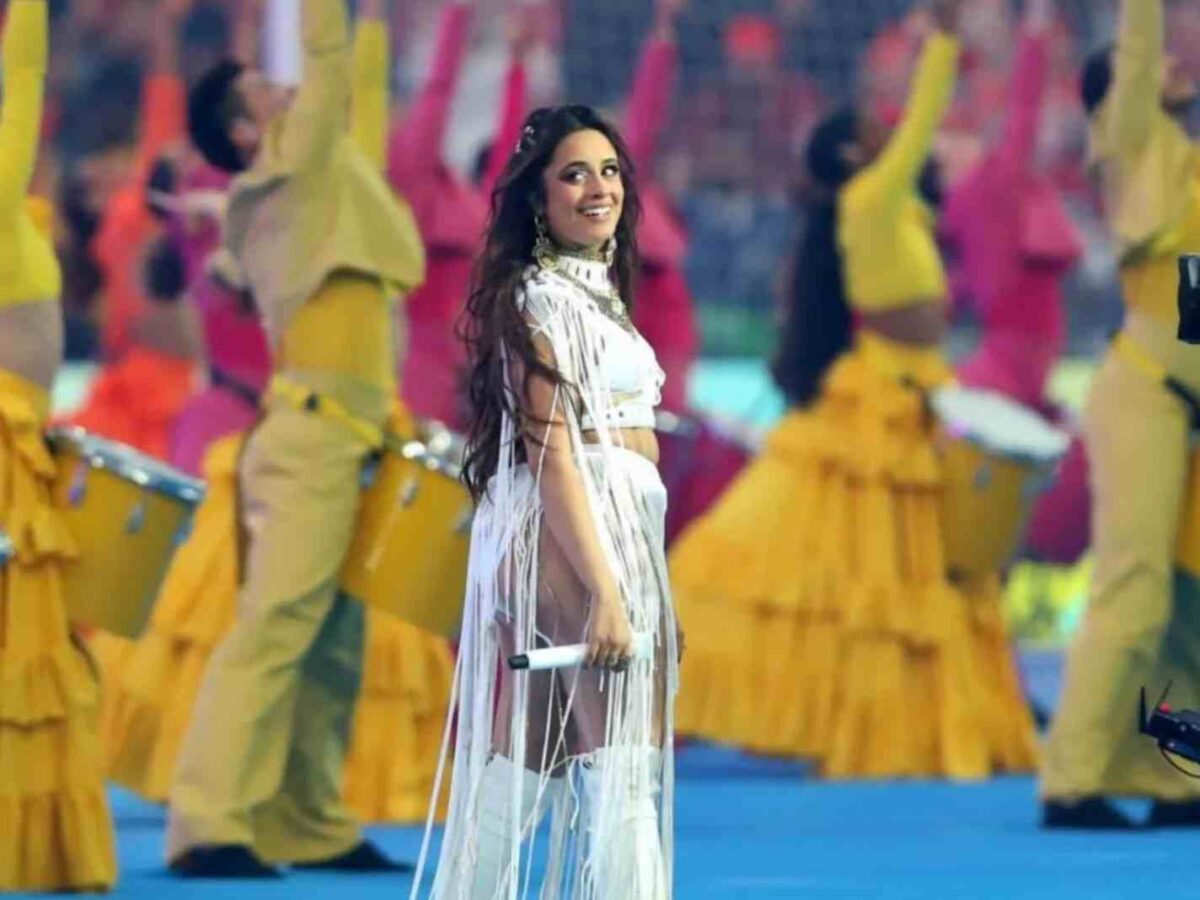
758,829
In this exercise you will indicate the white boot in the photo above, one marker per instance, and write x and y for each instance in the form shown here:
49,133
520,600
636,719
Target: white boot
496,869
625,856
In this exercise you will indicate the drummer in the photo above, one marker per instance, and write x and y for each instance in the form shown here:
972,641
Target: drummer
821,620
1135,631
48,693
279,692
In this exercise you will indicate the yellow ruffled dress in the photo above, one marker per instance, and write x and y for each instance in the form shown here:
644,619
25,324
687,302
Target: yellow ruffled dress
820,621
152,684
55,829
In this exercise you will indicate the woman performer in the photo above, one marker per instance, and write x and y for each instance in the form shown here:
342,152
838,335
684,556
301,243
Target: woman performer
822,618
567,544
451,213
53,811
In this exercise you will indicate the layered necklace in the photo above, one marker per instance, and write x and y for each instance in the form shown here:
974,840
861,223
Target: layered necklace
606,299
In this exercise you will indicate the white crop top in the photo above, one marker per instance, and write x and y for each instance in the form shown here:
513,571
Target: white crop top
627,366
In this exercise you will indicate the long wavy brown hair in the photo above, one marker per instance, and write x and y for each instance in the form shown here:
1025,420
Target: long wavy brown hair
491,319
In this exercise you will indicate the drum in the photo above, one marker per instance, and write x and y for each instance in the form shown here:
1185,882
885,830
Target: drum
412,539
698,458
127,513
996,457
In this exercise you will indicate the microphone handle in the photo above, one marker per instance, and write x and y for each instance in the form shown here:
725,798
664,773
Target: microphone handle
571,655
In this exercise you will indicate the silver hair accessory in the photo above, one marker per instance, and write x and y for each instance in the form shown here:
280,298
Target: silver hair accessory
528,134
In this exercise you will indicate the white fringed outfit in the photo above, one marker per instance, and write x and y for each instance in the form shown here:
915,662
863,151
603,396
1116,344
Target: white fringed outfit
595,744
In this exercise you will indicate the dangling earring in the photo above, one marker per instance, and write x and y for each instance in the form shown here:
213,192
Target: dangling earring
610,251
544,252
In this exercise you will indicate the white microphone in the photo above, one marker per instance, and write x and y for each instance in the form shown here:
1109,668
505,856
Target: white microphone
571,655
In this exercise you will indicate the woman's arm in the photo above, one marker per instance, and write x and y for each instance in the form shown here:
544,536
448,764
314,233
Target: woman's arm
568,512
653,86
371,95
521,41
25,50
1134,97
1031,67
899,165
415,144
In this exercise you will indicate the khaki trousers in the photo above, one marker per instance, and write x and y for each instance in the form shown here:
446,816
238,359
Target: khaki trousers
262,761
1142,623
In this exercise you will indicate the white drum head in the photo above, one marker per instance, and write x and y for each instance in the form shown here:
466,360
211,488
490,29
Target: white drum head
998,425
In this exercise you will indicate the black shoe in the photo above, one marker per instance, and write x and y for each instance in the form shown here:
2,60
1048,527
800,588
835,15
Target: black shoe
1089,814
1164,814
221,861
365,858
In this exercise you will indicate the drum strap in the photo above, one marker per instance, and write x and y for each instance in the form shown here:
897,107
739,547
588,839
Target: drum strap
237,387
1133,354
308,400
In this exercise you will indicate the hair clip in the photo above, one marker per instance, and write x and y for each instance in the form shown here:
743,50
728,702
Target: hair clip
528,134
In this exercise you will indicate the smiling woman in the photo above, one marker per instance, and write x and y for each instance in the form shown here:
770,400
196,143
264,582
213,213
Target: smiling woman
567,543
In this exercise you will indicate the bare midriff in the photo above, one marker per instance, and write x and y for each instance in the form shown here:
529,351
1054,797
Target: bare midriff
642,441
921,322
31,341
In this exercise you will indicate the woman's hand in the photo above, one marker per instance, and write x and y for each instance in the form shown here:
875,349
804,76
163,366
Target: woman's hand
610,636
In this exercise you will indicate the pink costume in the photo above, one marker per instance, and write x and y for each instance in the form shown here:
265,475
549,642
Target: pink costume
452,216
663,310
235,344
1016,241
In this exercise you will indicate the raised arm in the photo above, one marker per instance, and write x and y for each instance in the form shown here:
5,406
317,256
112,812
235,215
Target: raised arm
653,87
164,96
25,55
372,99
318,117
1027,91
901,162
1137,74
523,36
416,143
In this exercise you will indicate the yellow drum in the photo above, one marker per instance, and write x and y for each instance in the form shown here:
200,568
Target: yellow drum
127,513
409,555
996,457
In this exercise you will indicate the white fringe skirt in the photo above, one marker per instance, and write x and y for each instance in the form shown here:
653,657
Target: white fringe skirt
563,781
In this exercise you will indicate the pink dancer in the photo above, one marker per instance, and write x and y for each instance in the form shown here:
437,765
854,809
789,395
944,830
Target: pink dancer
236,347
1016,242
451,214
663,309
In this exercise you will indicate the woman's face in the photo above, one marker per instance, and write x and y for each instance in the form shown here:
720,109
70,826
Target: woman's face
584,191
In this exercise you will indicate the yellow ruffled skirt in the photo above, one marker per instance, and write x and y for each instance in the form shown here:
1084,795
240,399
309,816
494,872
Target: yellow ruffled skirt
152,684
820,621
55,829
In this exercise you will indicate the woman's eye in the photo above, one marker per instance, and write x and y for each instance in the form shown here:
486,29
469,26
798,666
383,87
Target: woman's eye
611,171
